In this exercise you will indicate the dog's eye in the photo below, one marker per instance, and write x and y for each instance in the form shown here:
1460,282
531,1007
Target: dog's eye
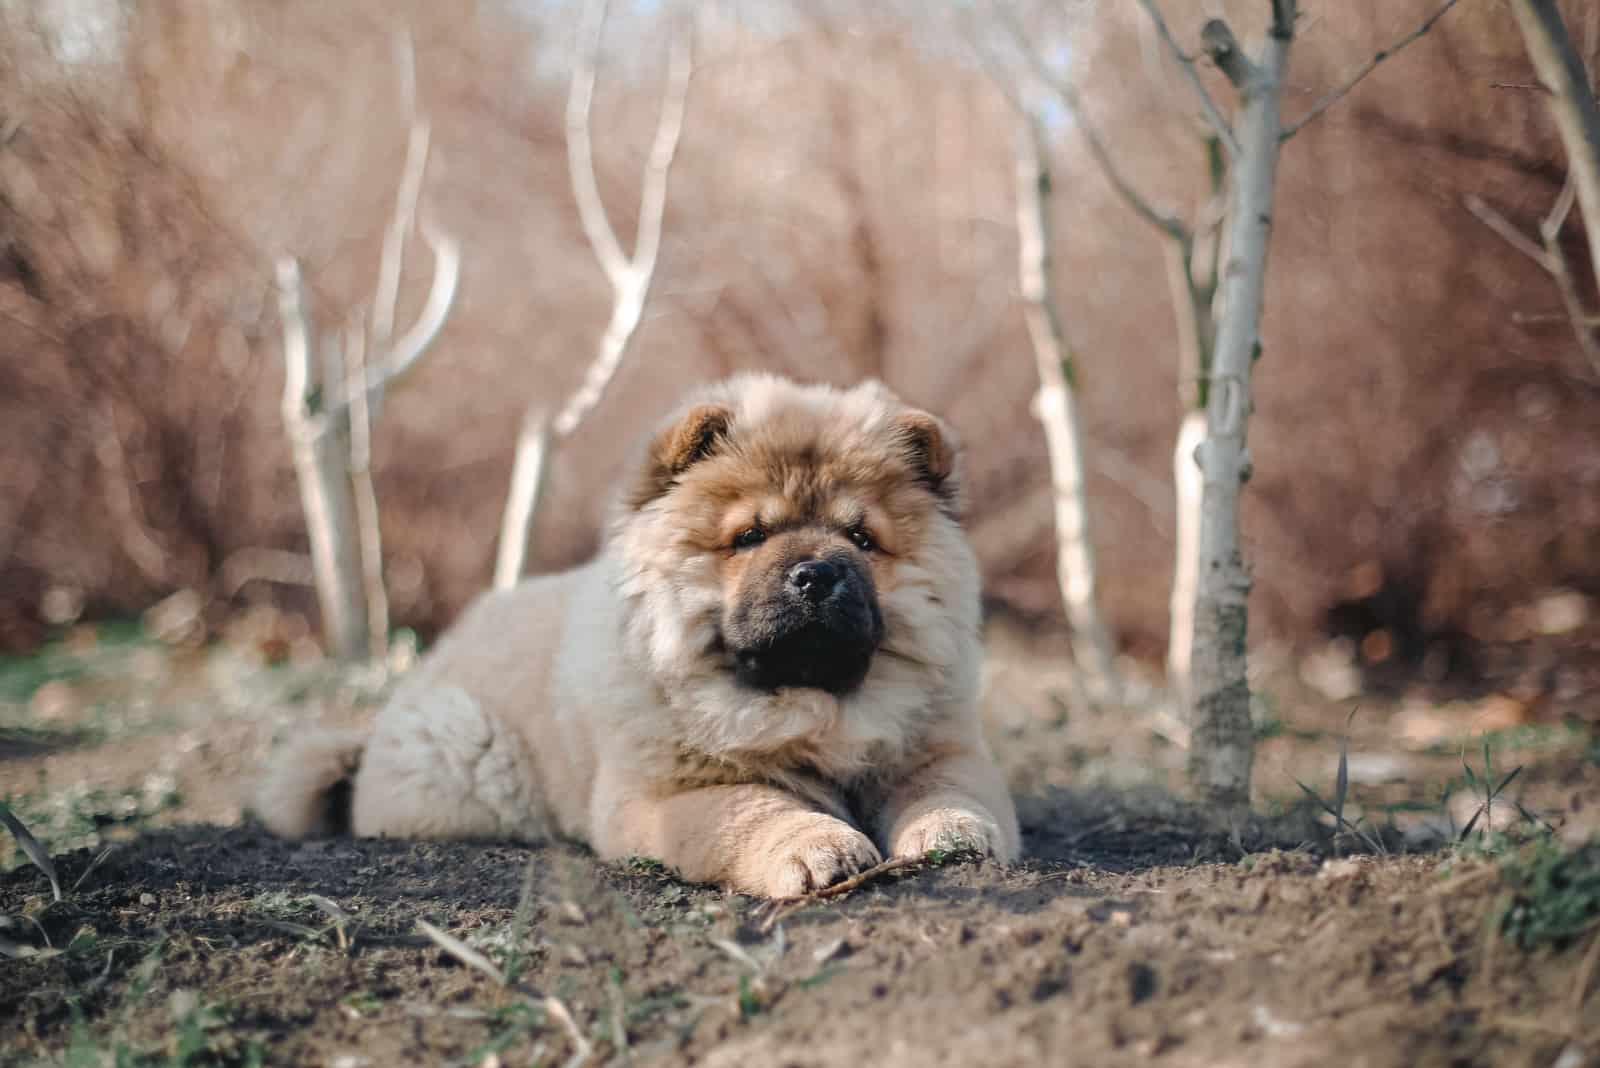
862,539
747,539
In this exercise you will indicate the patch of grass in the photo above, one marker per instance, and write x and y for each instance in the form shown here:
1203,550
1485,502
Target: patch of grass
656,1004
826,972
939,858
644,866
515,1022
750,1001
1557,894
81,818
1489,785
202,1036
1269,726
1342,827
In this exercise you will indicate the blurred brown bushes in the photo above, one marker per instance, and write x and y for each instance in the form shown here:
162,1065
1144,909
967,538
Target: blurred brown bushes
841,207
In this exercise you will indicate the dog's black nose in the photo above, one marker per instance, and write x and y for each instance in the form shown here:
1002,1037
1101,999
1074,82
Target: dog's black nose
814,579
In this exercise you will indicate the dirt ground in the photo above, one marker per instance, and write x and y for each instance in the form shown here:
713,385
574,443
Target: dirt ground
1131,935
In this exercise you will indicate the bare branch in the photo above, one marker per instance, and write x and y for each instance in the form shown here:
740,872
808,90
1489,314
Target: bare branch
1186,65
630,277
632,285
1572,103
1550,228
1551,258
1333,97
441,295
387,294
580,147
653,196
1224,51
1067,93
1505,230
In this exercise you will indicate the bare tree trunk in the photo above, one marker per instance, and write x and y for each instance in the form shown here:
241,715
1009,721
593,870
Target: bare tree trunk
320,469
1186,483
522,504
1057,410
630,276
1572,103
1221,742
369,531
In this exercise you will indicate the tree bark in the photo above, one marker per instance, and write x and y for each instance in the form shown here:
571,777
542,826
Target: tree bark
1221,741
320,460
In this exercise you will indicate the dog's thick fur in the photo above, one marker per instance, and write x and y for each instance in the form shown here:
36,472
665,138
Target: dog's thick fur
607,703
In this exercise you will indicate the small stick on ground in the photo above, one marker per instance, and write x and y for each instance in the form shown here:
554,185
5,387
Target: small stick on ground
462,952
581,1049
789,905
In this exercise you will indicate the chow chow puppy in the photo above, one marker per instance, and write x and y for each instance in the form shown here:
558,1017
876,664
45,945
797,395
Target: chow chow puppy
767,679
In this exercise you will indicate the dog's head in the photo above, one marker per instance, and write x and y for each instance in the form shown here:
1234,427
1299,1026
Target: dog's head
781,540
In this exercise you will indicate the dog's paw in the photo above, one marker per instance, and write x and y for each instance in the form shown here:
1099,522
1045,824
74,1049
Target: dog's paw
950,830
817,854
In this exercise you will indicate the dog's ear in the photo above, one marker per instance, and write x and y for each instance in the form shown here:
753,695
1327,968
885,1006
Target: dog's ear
932,449
685,442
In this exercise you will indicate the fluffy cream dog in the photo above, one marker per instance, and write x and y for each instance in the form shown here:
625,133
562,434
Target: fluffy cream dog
767,679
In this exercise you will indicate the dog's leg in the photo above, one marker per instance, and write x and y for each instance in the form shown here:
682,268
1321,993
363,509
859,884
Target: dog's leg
958,800
440,766
756,839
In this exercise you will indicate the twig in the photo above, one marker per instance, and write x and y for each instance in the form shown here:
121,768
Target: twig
462,952
1186,65
1550,257
1505,230
406,351
580,147
783,907
1571,101
582,1050
1333,97
386,297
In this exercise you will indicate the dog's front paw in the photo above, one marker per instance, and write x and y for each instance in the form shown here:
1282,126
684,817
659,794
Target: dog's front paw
818,853
951,830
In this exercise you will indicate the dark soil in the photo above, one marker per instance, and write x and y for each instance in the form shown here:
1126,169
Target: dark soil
1133,934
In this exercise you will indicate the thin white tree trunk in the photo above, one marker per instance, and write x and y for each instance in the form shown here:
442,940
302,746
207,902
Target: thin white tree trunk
369,531
1572,103
1186,483
1056,407
325,495
1221,741
629,276
522,503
